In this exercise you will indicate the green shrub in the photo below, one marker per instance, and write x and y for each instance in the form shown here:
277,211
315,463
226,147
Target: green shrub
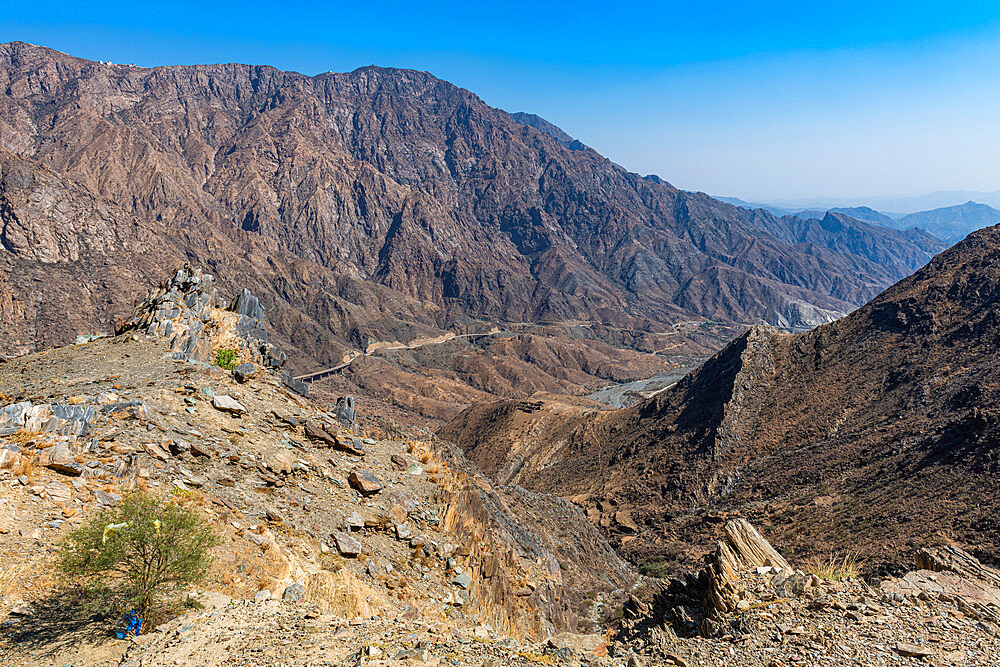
226,359
139,551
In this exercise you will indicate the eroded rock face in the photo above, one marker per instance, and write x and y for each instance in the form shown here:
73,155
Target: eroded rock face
948,572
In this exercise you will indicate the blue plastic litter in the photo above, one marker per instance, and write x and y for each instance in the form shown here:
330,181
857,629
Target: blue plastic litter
133,626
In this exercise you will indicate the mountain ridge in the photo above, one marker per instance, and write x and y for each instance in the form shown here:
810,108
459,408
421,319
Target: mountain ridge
885,419
386,204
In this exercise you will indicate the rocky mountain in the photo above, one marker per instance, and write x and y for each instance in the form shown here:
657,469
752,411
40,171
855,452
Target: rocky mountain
379,204
951,223
347,537
865,213
873,434
547,128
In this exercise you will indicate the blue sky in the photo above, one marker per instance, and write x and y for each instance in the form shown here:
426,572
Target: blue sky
759,100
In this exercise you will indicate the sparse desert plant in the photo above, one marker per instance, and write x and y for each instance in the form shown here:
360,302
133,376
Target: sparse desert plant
225,358
139,551
658,566
839,568
26,465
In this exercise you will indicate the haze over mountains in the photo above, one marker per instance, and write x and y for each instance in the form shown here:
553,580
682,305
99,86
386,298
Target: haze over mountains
384,205
949,223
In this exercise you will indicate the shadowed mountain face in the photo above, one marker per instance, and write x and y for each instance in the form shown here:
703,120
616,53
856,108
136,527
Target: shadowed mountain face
874,432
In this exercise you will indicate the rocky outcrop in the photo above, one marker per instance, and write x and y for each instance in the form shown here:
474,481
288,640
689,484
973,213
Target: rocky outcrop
537,562
948,572
57,418
761,611
187,311
743,549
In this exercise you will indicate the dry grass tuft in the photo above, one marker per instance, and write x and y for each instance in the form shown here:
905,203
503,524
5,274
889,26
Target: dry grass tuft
27,465
839,568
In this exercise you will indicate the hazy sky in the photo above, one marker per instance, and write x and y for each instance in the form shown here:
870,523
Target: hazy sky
760,100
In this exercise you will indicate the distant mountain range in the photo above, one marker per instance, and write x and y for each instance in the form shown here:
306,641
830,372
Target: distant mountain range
902,204
949,223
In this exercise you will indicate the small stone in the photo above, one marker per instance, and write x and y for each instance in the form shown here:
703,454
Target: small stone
106,498
197,481
294,593
59,458
913,651
58,492
318,433
347,545
365,482
156,451
245,372
344,410
229,404
279,460
397,513
200,450
262,596
178,447
402,531
23,609
354,522
462,580
107,398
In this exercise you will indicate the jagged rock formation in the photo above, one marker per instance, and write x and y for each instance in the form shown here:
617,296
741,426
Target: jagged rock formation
63,419
877,432
186,310
743,549
952,573
752,600
382,203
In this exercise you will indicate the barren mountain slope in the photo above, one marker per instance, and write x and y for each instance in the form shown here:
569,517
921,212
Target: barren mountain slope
276,475
397,178
875,432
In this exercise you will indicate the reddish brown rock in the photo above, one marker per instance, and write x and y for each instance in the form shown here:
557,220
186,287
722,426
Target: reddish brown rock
365,482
